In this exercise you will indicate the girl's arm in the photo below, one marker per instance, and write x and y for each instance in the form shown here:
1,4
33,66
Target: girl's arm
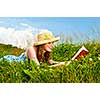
31,54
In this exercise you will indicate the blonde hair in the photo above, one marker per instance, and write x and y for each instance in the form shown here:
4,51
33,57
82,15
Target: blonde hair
41,55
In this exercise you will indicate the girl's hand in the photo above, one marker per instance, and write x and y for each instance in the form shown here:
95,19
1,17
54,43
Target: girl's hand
58,64
51,62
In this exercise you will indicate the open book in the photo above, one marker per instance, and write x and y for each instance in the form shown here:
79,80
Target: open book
81,52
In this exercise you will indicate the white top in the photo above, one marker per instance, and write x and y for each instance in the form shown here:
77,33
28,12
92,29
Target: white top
25,40
19,38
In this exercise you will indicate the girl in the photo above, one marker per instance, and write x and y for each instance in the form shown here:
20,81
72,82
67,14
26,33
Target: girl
41,50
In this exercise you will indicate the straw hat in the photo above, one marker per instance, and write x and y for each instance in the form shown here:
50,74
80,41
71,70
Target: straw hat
45,37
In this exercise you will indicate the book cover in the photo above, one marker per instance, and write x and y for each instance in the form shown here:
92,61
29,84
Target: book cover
81,52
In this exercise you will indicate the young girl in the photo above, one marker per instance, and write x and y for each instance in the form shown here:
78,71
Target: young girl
40,51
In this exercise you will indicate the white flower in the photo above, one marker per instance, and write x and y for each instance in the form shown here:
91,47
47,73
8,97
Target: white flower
90,59
98,58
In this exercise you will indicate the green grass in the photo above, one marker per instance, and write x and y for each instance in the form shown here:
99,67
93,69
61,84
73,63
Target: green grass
84,70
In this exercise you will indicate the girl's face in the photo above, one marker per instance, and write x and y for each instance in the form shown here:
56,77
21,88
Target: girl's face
48,47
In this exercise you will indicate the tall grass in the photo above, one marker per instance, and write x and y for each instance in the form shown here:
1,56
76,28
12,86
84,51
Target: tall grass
84,70
77,37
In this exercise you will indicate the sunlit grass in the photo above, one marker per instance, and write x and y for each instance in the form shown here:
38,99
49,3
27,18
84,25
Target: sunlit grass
86,69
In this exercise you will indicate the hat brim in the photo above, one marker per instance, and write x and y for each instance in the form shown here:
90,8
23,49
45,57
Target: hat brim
46,41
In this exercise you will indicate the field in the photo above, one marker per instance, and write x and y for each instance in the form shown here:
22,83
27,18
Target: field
84,70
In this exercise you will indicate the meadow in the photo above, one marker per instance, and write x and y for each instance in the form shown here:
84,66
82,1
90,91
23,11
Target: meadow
84,70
